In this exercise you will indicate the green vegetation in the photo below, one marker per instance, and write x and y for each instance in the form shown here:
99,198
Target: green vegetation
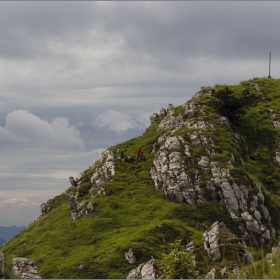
134,215
230,106
179,263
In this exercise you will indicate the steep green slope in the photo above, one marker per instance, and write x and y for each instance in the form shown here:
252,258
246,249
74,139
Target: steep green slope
134,215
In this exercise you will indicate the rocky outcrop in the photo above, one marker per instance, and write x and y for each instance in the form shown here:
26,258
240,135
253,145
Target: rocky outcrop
2,265
235,197
143,271
45,207
25,268
78,209
224,273
129,256
169,172
104,170
154,117
274,255
274,118
212,242
73,182
173,156
162,113
211,274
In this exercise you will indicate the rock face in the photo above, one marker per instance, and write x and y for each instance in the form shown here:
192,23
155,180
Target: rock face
169,172
173,157
212,242
78,209
2,264
104,169
45,208
25,268
143,271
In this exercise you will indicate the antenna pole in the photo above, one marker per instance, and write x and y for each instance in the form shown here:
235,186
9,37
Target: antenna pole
269,65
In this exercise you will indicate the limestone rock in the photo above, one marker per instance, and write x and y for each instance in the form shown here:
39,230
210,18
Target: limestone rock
154,117
73,181
25,268
162,113
78,209
211,274
212,240
129,256
143,271
45,208
273,117
135,273
148,270
104,170
169,173
190,247
274,255
224,273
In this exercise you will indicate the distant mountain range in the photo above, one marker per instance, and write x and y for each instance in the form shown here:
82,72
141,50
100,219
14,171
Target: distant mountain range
8,232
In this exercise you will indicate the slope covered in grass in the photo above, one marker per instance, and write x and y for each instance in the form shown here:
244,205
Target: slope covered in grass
134,215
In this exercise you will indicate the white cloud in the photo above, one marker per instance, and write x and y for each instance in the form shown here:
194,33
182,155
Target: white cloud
21,211
18,202
29,130
118,122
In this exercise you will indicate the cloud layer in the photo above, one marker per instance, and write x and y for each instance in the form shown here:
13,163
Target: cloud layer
119,122
78,77
28,130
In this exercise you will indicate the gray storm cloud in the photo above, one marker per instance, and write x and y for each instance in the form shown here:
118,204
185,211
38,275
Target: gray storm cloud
80,76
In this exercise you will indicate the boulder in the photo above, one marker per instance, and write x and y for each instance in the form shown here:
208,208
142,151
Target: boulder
143,271
78,209
129,256
162,113
25,268
224,273
212,240
45,208
211,274
154,117
73,181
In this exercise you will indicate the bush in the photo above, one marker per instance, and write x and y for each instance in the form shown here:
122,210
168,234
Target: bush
178,264
228,105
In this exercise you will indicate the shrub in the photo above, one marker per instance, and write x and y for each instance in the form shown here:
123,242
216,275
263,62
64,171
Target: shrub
228,105
179,263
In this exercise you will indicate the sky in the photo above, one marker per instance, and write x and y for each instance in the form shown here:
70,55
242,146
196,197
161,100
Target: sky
78,77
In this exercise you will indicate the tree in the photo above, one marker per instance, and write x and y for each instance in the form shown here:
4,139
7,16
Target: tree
228,105
179,263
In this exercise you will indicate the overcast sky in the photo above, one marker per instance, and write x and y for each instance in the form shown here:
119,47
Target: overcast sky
78,77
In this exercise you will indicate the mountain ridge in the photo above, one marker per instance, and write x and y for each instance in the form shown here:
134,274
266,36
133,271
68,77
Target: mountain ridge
207,180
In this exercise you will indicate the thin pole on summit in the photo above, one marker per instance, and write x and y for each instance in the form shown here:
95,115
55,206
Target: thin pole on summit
269,65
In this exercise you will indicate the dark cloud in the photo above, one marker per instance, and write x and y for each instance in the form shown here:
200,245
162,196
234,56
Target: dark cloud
80,76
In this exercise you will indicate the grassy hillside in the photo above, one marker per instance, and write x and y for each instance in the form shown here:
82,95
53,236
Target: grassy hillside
134,215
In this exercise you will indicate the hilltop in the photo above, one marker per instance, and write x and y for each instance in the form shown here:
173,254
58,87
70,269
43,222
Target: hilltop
208,189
